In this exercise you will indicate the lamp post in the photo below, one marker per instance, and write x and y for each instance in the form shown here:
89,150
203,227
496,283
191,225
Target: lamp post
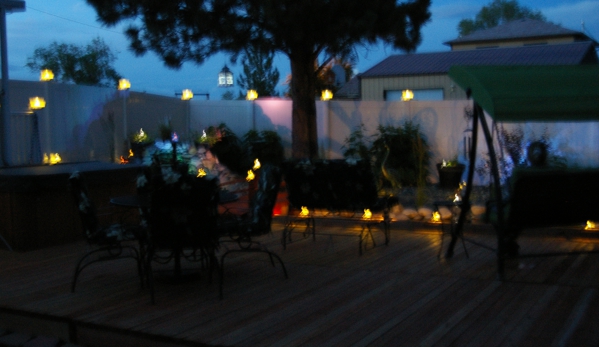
46,75
35,152
187,95
327,95
251,96
124,86
6,6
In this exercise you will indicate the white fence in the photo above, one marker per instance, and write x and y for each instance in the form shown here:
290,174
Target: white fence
90,123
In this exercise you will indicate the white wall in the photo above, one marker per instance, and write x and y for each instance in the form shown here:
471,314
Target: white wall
87,123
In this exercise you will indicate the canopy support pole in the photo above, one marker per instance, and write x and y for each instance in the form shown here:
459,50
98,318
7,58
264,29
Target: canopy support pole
479,116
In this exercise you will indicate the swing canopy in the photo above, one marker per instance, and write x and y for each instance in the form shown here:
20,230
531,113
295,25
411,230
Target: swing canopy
533,93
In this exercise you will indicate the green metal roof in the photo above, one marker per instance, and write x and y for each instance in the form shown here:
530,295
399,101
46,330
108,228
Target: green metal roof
533,93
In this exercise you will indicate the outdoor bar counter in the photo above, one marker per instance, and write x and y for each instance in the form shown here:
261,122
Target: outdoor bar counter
37,209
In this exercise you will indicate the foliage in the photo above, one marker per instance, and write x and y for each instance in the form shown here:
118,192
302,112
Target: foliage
496,13
325,76
407,150
399,155
265,145
516,147
357,145
238,154
140,137
258,72
88,65
228,95
183,30
165,130
227,147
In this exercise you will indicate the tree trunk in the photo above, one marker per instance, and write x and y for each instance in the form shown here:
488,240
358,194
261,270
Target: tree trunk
303,117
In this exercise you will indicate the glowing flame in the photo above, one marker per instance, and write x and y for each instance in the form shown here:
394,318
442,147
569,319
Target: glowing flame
130,153
457,198
256,164
124,160
52,159
436,218
201,172
124,84
367,214
37,103
250,175
590,225
304,212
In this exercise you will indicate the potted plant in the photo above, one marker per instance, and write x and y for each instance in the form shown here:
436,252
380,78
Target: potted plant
450,173
138,142
166,131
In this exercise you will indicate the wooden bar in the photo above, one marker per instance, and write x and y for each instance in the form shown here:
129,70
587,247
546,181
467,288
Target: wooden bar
37,210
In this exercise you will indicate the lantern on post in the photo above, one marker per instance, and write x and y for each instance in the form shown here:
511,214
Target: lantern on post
46,75
225,77
326,95
186,94
37,103
251,95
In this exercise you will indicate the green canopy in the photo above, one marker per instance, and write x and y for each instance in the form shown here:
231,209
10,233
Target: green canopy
533,93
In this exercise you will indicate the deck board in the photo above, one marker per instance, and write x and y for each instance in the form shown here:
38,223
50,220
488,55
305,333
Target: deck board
400,294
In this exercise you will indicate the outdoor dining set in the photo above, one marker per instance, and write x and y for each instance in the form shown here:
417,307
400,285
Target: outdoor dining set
173,217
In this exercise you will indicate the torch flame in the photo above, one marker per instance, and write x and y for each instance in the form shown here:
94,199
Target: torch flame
256,164
250,175
367,214
130,153
201,172
590,225
457,198
436,218
304,212
55,158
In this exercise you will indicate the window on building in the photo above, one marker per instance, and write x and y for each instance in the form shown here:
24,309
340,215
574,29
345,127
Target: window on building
419,94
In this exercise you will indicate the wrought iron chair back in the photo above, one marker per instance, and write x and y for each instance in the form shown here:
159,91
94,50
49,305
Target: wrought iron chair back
105,242
241,229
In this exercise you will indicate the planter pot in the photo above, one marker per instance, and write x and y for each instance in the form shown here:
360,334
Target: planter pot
139,149
450,177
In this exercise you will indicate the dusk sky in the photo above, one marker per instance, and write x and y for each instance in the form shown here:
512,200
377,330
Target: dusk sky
74,22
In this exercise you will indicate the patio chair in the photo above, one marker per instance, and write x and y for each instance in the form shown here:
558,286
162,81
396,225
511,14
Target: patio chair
182,225
104,242
240,229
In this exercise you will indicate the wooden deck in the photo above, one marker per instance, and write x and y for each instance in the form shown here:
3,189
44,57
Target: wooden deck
395,295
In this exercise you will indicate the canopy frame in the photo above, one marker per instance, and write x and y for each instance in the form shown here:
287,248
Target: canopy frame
520,94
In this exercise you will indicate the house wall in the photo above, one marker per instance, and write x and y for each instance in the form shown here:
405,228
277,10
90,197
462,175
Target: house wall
513,43
375,88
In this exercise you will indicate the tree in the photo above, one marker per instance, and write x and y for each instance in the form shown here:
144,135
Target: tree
325,76
258,72
228,95
192,30
88,65
496,13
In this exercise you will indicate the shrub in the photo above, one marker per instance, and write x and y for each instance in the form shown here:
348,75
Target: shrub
399,155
